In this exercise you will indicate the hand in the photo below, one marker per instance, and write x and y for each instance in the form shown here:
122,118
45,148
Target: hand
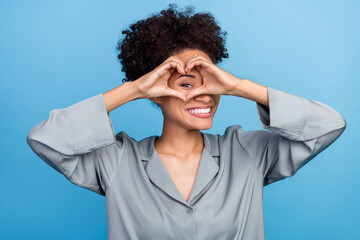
155,83
215,79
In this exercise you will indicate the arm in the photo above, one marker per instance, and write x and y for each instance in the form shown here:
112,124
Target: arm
299,129
79,141
251,90
121,95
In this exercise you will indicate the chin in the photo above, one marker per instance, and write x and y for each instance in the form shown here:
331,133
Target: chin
202,126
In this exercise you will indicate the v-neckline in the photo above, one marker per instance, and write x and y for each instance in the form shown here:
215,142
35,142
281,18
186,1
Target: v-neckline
159,175
196,165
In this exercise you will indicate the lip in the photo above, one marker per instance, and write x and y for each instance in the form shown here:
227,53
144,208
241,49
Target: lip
200,107
201,115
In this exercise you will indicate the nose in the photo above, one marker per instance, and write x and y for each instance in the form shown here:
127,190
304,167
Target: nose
205,98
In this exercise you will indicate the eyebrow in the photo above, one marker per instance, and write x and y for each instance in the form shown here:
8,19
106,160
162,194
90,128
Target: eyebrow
191,76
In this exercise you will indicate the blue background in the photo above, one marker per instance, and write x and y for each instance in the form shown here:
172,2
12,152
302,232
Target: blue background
56,53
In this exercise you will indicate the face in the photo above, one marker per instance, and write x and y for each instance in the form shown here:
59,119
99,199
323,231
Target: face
193,114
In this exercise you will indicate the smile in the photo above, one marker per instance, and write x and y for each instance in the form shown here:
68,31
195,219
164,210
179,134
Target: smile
200,112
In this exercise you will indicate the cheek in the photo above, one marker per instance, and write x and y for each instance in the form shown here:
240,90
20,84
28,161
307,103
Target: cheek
218,99
172,105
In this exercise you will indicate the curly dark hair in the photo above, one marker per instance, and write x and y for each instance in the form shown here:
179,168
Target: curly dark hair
151,41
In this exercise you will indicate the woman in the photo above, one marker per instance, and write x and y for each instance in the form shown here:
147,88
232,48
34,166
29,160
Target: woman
184,184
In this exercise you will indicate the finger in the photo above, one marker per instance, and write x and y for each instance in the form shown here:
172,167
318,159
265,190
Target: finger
181,68
177,94
197,63
196,92
171,71
171,66
192,57
182,63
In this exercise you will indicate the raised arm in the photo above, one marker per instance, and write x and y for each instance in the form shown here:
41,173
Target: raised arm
79,141
120,95
299,129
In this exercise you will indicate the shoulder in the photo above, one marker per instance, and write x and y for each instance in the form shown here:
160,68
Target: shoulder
215,142
229,133
144,145
124,138
232,131
236,133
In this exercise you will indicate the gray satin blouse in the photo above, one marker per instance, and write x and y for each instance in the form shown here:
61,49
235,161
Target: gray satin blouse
142,202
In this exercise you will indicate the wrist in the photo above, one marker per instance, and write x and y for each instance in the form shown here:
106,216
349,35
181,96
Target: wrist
239,88
134,91
120,95
252,91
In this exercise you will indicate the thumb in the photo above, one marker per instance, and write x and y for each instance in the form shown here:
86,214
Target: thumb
196,92
177,94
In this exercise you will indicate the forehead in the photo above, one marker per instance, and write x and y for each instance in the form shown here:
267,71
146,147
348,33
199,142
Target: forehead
186,54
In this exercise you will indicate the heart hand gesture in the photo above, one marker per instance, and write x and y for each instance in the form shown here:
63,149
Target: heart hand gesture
215,80
155,83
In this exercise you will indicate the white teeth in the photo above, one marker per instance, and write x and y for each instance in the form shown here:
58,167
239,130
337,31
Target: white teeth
200,110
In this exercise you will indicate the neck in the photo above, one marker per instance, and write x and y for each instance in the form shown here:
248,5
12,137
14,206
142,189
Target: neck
178,141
